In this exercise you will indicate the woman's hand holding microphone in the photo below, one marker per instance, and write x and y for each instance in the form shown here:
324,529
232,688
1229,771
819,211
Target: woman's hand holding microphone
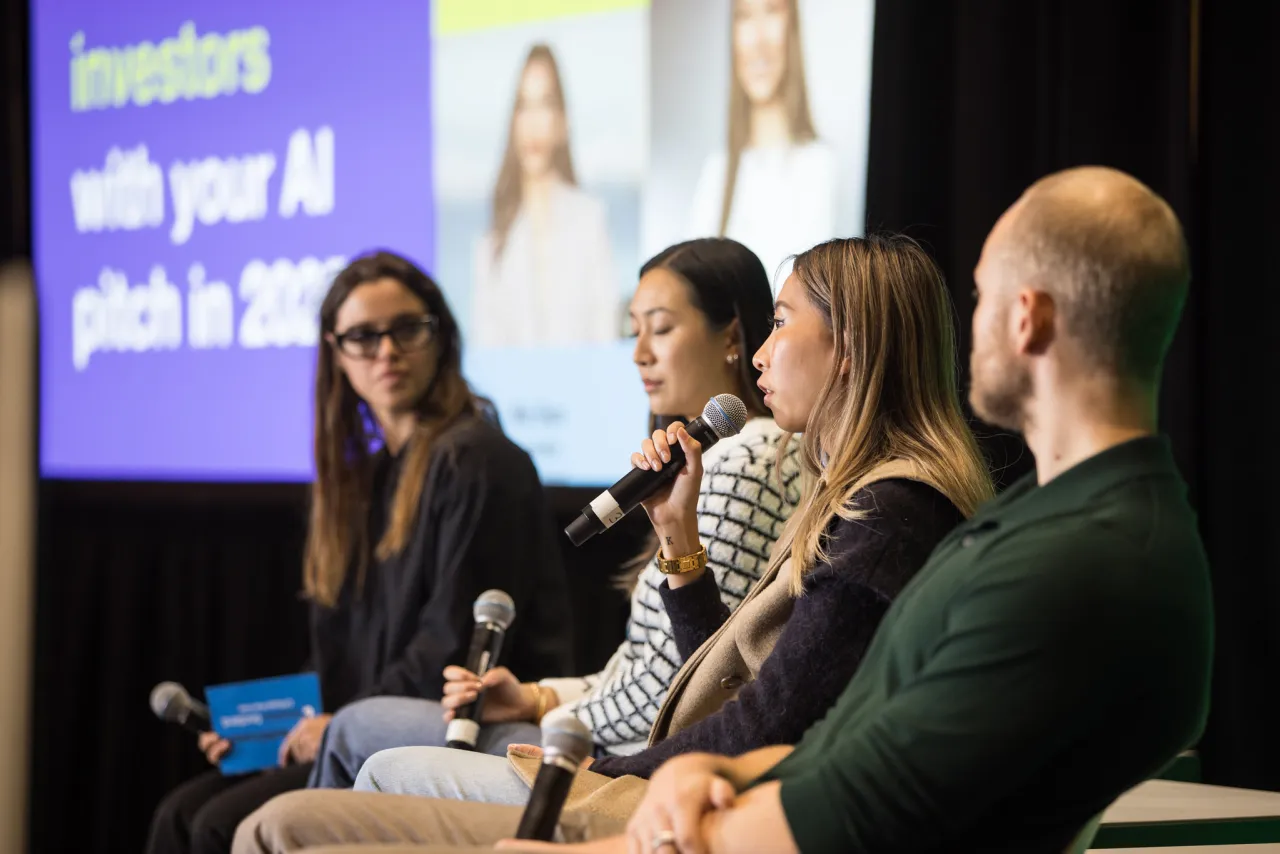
674,509
506,699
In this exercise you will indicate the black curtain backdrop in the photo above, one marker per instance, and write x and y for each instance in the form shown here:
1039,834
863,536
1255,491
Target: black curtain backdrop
972,101
1239,360
198,584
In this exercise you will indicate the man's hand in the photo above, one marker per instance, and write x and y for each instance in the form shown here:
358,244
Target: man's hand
682,791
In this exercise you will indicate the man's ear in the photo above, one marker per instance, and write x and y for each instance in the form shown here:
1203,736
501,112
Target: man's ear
1033,321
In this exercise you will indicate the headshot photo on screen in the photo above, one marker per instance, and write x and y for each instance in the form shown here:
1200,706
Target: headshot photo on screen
541,141
761,135
543,272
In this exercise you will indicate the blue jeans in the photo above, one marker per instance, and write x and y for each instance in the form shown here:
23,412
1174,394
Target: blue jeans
444,774
365,727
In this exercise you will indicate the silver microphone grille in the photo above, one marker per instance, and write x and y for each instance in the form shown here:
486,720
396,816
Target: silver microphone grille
564,735
495,606
168,699
725,415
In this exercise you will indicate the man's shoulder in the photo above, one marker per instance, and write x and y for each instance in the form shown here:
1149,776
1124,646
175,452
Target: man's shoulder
1106,557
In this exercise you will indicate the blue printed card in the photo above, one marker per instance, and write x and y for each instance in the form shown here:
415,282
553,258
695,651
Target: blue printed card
255,717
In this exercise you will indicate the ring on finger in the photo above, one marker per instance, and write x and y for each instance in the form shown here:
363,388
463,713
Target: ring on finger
662,839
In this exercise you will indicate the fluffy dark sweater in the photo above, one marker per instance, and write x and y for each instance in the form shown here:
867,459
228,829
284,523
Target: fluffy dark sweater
871,560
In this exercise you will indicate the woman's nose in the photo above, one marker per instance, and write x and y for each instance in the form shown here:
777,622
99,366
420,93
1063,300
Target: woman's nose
759,360
641,355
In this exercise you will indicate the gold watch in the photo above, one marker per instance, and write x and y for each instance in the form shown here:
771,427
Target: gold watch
682,565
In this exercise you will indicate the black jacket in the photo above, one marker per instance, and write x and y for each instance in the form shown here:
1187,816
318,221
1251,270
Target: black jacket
483,522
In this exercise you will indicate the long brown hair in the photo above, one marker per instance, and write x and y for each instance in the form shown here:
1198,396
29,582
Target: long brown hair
892,394
346,433
795,99
508,192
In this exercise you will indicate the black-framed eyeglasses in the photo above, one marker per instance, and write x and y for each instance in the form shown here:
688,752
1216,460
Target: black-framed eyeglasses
409,334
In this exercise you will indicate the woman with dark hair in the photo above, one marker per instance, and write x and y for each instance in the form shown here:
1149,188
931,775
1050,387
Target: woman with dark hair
861,362
420,504
699,306
773,184
544,273
700,310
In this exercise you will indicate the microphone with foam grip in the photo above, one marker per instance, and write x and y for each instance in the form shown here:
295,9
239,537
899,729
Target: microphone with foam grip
494,611
723,416
566,742
171,702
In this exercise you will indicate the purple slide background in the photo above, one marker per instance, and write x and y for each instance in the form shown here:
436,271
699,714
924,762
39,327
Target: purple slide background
221,414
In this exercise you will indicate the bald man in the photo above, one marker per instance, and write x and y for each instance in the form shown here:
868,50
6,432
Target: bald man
1055,650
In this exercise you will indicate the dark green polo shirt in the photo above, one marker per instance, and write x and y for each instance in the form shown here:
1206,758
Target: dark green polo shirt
1052,653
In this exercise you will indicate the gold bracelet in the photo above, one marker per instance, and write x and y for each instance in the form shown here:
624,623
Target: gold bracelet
682,565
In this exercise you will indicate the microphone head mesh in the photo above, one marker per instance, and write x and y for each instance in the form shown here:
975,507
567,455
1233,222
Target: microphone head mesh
168,699
565,735
495,606
725,415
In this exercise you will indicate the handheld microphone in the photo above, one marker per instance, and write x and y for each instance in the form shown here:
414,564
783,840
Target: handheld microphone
171,702
566,742
723,416
494,612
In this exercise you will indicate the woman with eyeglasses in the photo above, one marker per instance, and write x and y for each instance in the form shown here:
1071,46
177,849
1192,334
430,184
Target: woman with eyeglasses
419,505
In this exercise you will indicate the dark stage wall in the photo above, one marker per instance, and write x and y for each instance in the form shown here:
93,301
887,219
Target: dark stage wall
972,101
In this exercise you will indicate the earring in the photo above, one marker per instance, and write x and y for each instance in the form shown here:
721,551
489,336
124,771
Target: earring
732,358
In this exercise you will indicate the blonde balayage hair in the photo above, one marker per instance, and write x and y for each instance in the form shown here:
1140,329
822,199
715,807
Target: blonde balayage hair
892,393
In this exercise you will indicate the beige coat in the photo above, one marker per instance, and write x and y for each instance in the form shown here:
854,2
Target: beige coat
711,677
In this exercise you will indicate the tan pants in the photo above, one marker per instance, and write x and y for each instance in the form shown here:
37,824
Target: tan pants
404,849
314,817
399,849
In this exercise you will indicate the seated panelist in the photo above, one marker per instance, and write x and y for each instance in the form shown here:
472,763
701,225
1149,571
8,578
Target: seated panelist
700,309
420,504
1056,649
861,361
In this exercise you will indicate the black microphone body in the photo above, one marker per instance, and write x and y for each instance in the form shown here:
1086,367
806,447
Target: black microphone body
638,484
550,790
494,612
565,744
486,644
171,702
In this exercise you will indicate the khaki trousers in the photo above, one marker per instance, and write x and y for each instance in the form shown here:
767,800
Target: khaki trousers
311,818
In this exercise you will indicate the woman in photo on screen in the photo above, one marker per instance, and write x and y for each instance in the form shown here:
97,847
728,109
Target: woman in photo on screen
698,308
418,506
773,186
544,273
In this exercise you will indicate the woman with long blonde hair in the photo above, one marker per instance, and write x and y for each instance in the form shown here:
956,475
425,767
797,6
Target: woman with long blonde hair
861,361
699,311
